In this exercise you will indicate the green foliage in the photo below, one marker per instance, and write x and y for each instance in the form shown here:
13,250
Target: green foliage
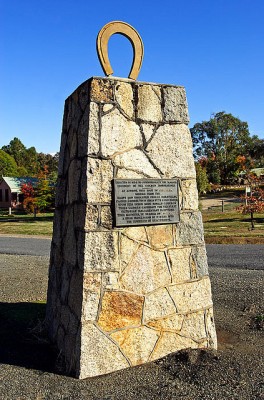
221,140
29,161
8,166
201,178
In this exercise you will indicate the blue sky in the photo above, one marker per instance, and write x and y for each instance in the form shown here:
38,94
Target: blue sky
213,48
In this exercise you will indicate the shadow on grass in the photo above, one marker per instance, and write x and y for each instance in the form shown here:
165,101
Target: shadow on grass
22,342
27,219
222,220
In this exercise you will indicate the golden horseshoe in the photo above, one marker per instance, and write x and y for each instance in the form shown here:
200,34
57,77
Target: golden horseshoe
131,34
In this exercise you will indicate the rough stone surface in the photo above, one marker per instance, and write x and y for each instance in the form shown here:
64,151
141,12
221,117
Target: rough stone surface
120,310
120,297
124,98
118,134
99,176
189,195
180,164
146,271
137,161
190,229
158,305
136,343
173,323
170,342
175,105
149,103
101,251
180,264
94,359
192,295
160,236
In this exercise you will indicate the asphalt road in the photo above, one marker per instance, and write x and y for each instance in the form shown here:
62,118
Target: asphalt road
24,246
248,256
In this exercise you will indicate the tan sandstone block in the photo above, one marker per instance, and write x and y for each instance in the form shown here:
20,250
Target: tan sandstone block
175,141
158,304
189,195
149,103
120,310
191,296
136,343
180,264
88,131
137,161
99,355
101,90
124,97
118,134
91,295
172,323
99,176
101,251
110,280
147,271
137,233
91,217
123,173
194,326
160,236
170,342
106,217
128,248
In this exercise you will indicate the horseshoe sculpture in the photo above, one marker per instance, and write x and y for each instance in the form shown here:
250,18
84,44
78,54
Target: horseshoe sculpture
131,34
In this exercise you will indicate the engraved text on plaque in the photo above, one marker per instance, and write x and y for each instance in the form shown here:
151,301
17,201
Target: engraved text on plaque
146,201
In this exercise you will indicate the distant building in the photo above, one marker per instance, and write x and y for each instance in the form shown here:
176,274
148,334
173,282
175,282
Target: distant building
10,190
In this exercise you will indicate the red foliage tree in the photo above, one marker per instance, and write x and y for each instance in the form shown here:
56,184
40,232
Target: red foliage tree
254,203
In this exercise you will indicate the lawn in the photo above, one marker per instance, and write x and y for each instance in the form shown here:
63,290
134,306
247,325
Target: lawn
232,227
26,224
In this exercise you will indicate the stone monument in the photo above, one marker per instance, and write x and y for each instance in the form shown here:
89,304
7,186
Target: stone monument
128,280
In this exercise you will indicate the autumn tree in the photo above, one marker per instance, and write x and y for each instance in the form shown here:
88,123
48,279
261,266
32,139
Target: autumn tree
45,191
29,201
221,140
254,203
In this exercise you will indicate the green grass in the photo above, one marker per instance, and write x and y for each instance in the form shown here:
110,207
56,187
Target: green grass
232,227
26,224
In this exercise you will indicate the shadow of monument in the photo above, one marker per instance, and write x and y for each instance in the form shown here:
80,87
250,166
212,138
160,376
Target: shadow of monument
23,341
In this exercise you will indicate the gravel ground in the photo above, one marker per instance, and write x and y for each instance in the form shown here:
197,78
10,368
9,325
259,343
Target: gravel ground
29,366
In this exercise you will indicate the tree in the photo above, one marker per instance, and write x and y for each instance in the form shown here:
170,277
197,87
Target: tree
257,151
17,150
29,202
8,166
45,191
221,140
254,203
201,178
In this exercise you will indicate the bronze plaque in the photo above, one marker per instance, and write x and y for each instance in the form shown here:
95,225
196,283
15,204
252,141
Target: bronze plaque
146,201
